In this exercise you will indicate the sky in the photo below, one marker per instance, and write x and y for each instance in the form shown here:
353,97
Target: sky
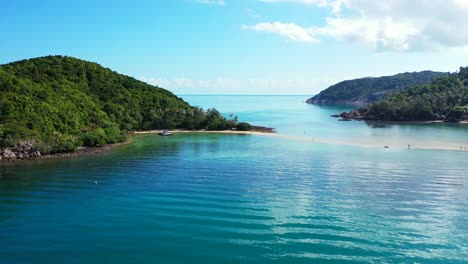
242,46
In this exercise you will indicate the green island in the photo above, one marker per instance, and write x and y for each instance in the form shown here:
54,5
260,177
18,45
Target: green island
443,100
371,89
57,104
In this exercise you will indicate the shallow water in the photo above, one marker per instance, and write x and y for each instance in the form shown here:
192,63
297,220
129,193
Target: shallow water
204,198
291,116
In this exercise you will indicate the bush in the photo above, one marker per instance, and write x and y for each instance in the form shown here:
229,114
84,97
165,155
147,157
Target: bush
94,138
113,135
58,143
457,113
63,145
243,126
217,125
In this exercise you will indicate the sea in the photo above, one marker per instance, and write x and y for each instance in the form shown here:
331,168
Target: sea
321,191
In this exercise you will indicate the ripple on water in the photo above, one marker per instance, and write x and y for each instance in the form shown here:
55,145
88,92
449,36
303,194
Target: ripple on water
257,201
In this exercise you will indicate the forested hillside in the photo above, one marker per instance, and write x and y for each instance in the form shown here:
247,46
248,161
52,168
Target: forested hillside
63,102
368,90
446,98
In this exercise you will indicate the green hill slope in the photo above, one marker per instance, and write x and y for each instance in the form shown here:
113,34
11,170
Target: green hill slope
444,99
367,90
63,103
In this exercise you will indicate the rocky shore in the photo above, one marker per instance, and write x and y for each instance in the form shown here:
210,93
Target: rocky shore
263,129
323,101
360,115
21,151
357,114
24,150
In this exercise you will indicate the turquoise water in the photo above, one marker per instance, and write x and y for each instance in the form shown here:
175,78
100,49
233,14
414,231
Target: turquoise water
290,115
201,198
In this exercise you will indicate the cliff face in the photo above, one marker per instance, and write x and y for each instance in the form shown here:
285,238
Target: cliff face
364,91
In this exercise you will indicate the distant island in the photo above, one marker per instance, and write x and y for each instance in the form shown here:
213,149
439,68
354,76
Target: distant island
445,99
364,91
57,104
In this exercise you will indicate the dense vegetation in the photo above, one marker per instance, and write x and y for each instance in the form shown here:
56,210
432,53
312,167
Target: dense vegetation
444,99
367,90
63,103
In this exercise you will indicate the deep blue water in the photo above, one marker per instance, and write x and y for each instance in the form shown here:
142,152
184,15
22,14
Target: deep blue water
201,198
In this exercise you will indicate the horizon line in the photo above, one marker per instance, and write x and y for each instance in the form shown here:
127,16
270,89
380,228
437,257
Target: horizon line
243,95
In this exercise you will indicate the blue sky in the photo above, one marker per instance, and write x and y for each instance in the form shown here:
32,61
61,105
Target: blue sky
242,46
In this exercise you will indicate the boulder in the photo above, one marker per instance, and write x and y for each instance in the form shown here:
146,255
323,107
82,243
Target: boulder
349,116
35,154
25,146
23,150
8,154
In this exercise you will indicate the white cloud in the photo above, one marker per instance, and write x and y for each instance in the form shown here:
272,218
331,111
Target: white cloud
397,25
291,31
335,5
211,2
377,34
384,34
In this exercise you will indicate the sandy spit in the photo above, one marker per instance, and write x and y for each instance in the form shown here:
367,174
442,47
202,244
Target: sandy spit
309,139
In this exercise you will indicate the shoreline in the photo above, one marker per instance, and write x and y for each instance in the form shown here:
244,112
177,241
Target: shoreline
228,132
463,122
356,116
82,152
89,151
407,122
307,139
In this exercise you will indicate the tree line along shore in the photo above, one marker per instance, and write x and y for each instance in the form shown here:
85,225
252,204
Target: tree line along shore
59,104
26,151
443,100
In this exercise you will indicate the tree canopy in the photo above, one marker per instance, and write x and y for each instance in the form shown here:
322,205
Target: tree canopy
63,102
445,98
368,90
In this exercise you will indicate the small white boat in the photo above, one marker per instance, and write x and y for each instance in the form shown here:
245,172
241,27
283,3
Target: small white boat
166,133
